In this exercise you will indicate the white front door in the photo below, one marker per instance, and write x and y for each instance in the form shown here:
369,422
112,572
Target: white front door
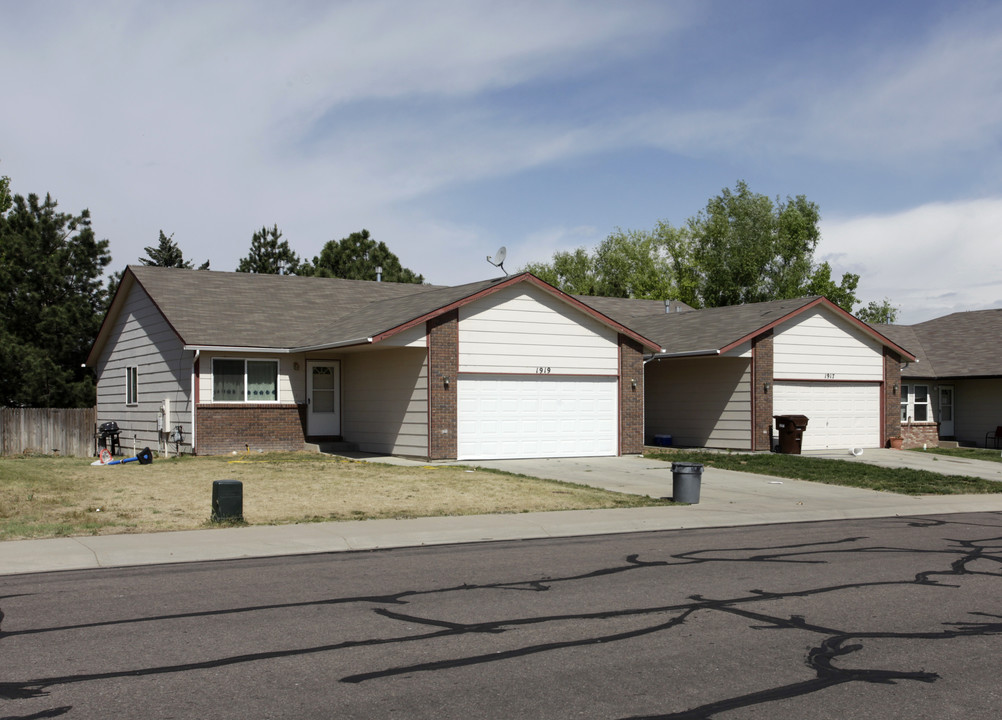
946,410
323,397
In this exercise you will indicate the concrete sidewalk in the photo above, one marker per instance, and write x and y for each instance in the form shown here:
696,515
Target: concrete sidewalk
727,499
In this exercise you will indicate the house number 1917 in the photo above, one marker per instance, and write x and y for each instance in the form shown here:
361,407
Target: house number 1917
543,370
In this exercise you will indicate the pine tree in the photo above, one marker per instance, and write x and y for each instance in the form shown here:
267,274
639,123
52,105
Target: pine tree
51,268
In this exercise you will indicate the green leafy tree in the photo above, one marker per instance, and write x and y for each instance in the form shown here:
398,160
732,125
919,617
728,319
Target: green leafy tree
742,248
628,263
168,254
51,268
573,272
632,264
878,312
747,248
270,255
357,257
843,294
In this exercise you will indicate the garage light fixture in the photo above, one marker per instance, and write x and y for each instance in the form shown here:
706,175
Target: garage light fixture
765,388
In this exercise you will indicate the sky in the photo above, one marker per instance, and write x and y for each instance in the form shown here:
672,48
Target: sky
450,128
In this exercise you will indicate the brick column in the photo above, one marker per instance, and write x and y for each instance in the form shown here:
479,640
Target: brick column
762,373
631,397
892,395
443,365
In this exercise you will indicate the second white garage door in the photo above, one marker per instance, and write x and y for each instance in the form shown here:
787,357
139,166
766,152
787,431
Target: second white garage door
839,415
523,417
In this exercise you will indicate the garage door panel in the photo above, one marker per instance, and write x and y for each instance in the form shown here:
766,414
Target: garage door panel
840,415
508,417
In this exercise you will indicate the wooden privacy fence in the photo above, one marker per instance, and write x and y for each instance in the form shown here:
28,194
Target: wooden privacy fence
49,431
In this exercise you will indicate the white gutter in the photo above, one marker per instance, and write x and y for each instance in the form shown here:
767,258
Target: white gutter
277,350
330,346
692,353
194,393
223,348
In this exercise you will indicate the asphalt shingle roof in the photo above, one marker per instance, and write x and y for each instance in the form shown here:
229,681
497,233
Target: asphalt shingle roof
694,331
248,310
232,309
963,344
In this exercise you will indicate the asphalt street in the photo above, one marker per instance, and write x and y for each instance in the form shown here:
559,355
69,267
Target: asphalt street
891,617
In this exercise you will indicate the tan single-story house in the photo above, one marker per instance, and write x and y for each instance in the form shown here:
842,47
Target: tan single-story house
219,362
725,373
954,391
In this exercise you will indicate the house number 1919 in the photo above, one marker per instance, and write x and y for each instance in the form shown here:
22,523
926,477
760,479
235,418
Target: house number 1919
543,370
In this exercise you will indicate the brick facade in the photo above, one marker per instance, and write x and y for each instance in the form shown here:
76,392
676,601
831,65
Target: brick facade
221,429
443,366
892,396
916,435
631,396
762,373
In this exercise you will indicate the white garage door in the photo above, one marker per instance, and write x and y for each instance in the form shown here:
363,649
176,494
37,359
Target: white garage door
526,417
839,415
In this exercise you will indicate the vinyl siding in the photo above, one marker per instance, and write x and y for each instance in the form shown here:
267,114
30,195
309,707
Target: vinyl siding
816,346
141,337
700,402
977,408
385,401
523,330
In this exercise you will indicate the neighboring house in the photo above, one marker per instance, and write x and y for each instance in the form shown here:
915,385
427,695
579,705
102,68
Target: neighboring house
726,372
510,367
954,391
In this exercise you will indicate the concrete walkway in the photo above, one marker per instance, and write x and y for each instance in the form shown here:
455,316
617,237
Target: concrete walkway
727,499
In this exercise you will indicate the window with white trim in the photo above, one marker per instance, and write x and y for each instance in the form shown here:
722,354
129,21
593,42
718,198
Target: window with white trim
132,385
237,380
915,403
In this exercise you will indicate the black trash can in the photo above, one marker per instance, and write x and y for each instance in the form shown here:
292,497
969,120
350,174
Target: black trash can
791,433
227,500
686,478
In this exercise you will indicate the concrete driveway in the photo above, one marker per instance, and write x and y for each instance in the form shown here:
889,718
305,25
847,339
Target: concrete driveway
633,474
916,460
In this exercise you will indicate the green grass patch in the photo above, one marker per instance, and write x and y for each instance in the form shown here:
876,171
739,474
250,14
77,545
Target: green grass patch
835,472
987,454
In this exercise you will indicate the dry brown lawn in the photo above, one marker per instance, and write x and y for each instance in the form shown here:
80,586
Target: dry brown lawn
43,496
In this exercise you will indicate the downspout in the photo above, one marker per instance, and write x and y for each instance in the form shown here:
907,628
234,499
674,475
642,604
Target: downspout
194,398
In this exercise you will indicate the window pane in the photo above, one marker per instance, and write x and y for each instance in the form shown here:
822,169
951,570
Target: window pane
921,393
324,394
262,381
131,385
228,380
921,413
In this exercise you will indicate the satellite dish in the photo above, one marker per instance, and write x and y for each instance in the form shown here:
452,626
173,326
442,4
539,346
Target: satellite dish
498,259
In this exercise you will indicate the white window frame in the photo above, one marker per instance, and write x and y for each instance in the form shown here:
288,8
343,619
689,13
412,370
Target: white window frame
278,380
909,403
131,385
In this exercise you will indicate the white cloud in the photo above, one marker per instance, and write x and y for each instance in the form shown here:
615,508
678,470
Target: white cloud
930,260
